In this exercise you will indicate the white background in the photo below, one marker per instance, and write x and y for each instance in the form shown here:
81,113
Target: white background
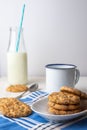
55,31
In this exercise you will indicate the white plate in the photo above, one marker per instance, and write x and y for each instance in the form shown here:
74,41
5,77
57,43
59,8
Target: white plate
41,108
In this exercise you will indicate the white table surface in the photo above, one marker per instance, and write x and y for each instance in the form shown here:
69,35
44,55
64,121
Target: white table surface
4,84
82,84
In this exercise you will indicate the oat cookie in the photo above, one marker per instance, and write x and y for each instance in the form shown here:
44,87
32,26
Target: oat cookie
70,90
83,95
12,107
63,107
62,112
64,98
17,88
75,91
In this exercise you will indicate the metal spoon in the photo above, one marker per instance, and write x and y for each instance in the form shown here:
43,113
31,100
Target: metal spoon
32,88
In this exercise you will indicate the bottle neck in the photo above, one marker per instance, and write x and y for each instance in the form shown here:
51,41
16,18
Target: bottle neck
13,41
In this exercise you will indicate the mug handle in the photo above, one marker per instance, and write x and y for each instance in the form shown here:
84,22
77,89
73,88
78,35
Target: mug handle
77,76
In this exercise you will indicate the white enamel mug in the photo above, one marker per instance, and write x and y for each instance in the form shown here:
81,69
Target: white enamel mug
58,75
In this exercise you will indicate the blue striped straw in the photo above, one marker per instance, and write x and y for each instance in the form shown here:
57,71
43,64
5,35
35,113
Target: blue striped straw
19,30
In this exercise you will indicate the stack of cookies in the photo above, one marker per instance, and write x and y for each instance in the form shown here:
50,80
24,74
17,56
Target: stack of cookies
67,101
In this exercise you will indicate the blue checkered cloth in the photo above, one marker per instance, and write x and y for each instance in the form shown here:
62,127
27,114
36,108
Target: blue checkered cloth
34,121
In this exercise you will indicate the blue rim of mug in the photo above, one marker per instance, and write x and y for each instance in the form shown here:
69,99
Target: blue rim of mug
50,66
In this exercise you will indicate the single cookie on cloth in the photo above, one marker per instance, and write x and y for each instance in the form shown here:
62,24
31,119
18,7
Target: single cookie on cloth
12,107
62,112
17,88
64,98
63,107
74,91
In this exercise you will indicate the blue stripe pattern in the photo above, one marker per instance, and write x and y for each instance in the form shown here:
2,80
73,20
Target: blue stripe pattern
80,125
34,121
24,123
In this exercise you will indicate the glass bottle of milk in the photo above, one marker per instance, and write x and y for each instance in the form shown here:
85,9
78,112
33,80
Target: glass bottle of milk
16,60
